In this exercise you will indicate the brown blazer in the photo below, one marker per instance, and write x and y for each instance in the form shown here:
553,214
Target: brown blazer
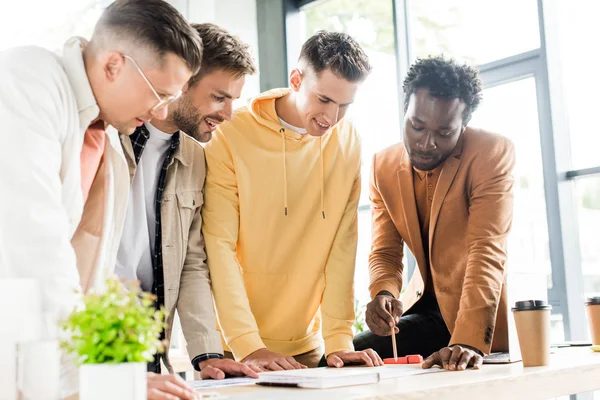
471,215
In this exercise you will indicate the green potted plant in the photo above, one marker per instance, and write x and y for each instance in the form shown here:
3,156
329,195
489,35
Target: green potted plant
359,318
113,336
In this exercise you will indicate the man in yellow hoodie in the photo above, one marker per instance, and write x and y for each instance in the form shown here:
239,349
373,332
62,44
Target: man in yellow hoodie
280,215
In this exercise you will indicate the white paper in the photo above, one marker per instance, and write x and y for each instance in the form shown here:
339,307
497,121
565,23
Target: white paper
299,375
212,383
403,370
385,372
321,378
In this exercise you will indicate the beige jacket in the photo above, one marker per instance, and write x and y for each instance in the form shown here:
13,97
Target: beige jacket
186,277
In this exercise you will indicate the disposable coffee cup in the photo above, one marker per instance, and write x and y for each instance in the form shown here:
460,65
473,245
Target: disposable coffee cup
532,319
592,306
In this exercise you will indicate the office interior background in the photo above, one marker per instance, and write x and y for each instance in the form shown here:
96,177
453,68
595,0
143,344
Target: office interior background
540,69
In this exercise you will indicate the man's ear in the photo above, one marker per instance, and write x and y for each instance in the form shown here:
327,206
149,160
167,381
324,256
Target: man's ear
296,79
113,65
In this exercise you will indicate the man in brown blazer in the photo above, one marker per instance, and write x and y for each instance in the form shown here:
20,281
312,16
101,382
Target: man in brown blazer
445,191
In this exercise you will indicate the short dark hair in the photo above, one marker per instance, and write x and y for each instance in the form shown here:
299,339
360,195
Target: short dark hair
338,52
222,51
155,24
447,79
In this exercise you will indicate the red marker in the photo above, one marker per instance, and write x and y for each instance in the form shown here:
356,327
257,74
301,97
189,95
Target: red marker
412,359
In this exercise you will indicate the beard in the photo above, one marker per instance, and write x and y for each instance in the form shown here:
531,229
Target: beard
431,161
187,119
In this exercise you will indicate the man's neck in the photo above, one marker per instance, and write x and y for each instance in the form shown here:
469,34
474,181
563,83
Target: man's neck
286,110
164,126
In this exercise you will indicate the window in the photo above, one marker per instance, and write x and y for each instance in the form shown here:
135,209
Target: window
473,31
511,110
588,214
578,25
52,23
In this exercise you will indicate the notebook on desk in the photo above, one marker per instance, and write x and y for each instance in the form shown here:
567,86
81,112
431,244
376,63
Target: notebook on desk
320,378
324,378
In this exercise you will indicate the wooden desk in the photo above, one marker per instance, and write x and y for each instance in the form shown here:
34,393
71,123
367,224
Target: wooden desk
573,370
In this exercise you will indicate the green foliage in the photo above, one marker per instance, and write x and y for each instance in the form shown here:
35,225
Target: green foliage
116,326
359,318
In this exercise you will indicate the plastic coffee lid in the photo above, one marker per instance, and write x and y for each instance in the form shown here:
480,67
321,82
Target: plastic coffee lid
592,301
531,305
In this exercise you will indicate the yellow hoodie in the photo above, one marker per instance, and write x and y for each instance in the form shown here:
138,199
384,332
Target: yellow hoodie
280,225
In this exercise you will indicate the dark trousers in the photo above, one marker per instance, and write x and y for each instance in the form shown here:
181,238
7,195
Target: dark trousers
154,365
421,331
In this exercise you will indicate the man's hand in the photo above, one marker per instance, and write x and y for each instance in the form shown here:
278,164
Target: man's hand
217,369
455,358
378,317
368,357
269,360
169,387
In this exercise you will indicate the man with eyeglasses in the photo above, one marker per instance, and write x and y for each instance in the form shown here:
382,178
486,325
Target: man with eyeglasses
64,177
162,244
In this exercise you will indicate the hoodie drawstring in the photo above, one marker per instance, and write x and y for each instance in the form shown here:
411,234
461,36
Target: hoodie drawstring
285,193
322,175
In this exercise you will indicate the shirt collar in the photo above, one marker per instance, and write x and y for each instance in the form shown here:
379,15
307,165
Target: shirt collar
72,60
433,172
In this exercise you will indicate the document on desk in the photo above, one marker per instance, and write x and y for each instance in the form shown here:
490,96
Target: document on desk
403,370
213,384
319,378
323,378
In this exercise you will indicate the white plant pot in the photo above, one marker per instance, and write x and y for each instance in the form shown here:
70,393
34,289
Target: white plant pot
125,381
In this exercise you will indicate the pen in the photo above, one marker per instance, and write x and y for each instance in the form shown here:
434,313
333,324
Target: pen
393,336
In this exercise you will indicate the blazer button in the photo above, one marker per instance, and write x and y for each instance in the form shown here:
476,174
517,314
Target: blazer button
489,332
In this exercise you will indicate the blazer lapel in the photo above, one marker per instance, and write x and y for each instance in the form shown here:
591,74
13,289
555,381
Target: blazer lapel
409,209
129,155
447,175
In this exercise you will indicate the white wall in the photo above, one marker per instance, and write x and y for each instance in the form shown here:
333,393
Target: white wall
238,17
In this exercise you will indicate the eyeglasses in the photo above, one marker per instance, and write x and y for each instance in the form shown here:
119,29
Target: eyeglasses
162,102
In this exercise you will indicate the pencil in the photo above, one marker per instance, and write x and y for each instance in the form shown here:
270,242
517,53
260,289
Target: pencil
395,350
